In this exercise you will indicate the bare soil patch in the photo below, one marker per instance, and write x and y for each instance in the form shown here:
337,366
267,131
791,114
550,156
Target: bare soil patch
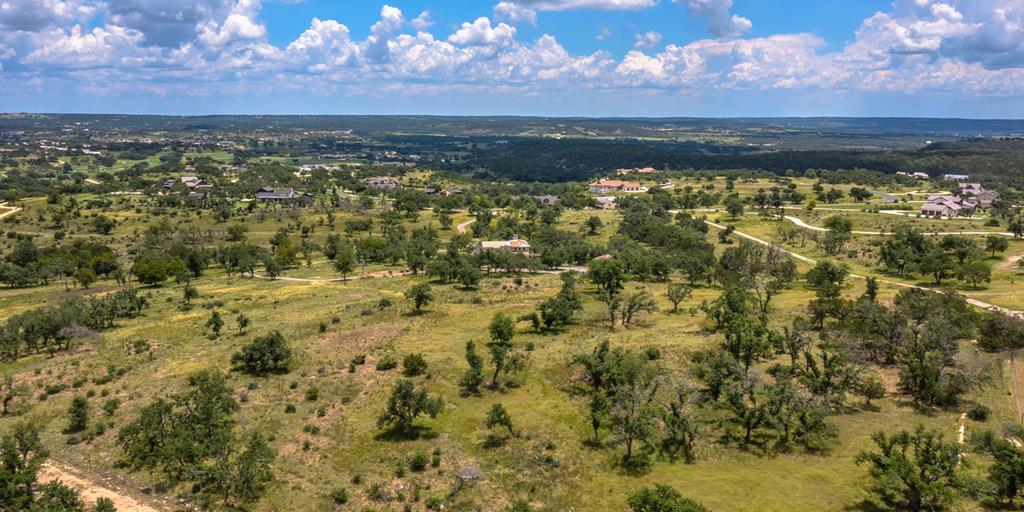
91,490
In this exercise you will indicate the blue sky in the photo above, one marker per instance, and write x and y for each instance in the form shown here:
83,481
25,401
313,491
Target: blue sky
938,58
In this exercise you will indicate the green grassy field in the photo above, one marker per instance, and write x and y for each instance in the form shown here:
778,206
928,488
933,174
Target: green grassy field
546,408
328,324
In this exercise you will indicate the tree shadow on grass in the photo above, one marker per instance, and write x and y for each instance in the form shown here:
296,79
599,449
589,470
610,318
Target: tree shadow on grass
398,435
638,465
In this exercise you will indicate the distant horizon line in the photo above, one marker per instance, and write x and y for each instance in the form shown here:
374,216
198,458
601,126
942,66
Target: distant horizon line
518,116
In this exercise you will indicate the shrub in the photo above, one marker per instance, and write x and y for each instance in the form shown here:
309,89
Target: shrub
264,355
110,406
289,408
377,492
312,394
979,412
413,365
652,353
387,363
339,496
418,462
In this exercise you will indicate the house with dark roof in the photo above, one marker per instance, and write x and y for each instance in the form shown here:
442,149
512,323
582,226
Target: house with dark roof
277,195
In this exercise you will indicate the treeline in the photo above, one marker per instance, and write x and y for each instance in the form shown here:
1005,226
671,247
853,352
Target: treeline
57,327
997,162
909,252
82,261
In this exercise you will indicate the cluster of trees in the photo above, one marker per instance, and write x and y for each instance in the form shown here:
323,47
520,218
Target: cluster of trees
82,261
677,243
909,252
194,437
57,327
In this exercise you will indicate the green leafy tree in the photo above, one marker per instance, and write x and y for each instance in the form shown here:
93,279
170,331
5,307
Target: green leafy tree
498,416
264,355
678,293
344,259
21,455
188,293
995,244
420,295
215,323
734,206
405,404
413,365
914,471
243,321
474,376
78,415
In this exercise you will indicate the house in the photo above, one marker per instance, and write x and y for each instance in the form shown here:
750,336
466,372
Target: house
605,186
606,202
381,182
956,177
921,176
987,198
972,189
431,190
455,191
276,195
937,210
983,197
948,206
546,200
190,181
515,246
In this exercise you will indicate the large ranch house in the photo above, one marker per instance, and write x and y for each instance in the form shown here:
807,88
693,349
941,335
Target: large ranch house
609,186
280,195
515,246
971,197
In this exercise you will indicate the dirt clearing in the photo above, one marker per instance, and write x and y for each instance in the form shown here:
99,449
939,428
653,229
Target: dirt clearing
90,490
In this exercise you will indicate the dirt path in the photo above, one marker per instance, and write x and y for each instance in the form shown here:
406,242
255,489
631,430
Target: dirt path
1011,262
973,302
801,223
90,490
461,228
1014,382
11,211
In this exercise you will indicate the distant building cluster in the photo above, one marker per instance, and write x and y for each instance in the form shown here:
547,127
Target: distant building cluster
971,197
636,170
915,175
382,182
196,187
